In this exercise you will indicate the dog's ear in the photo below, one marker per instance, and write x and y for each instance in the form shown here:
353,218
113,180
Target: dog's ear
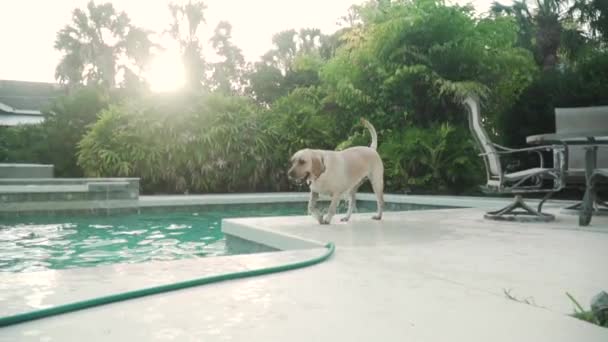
318,166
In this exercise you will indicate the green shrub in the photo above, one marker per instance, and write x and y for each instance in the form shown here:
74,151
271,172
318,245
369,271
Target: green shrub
439,159
66,122
211,143
24,144
299,120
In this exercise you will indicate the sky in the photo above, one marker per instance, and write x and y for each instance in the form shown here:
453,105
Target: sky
28,29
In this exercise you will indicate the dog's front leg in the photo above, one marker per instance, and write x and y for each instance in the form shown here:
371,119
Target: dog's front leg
335,198
352,203
312,206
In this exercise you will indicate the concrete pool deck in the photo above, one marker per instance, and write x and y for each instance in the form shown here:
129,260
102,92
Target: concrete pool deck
415,276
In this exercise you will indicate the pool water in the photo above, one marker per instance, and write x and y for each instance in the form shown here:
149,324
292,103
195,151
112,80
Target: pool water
41,243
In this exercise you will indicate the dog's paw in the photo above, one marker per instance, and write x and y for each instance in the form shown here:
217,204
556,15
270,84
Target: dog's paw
345,219
377,217
325,220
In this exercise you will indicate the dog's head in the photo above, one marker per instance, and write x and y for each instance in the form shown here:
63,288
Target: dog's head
306,165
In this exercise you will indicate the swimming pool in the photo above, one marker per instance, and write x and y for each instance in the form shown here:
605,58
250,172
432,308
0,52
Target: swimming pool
40,243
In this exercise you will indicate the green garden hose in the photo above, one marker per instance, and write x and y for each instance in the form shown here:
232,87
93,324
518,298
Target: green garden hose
89,303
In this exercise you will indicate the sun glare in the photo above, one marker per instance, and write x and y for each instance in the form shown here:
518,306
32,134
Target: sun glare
166,72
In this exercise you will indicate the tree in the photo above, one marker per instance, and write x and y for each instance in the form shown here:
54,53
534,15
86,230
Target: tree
66,122
284,51
584,83
99,45
186,22
351,18
544,30
415,59
294,61
520,11
594,13
227,75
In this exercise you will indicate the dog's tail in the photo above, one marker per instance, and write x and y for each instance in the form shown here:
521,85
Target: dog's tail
372,131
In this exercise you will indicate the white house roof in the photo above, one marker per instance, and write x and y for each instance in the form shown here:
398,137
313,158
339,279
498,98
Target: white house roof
23,102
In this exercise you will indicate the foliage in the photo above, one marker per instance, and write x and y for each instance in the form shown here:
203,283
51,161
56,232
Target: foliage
414,60
23,144
583,84
585,315
98,154
594,13
55,140
180,143
65,124
294,61
265,83
297,121
227,76
439,159
300,119
97,43
557,31
184,29
404,65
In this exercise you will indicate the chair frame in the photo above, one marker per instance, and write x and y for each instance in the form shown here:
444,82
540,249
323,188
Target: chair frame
504,183
580,119
591,202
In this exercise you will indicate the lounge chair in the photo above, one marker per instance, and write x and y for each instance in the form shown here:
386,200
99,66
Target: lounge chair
533,180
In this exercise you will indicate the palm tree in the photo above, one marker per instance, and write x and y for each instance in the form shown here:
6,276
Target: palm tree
542,29
187,19
228,73
309,40
284,52
548,36
95,42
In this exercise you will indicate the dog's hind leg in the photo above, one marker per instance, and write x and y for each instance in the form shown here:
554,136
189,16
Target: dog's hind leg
352,202
378,187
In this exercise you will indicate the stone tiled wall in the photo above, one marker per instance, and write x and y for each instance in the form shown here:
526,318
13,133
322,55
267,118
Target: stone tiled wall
46,196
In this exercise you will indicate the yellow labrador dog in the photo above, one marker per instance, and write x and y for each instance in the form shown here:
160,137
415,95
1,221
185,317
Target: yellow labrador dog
335,173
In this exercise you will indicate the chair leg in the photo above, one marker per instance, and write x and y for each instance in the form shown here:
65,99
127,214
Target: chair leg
586,211
526,214
545,198
600,208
